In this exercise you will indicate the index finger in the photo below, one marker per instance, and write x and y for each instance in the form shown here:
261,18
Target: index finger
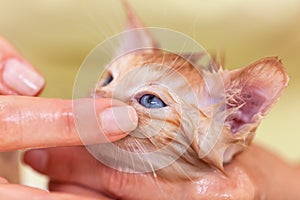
30,122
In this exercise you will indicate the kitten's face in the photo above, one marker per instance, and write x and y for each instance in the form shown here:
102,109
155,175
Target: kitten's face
179,117
189,119
164,89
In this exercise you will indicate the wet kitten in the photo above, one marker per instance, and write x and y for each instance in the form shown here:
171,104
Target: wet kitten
181,107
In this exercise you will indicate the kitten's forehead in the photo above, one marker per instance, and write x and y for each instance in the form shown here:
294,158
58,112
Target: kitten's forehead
128,62
141,70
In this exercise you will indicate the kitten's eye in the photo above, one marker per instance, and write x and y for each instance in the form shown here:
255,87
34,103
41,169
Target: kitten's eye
151,101
108,79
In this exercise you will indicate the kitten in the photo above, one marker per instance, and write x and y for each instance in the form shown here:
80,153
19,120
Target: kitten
181,108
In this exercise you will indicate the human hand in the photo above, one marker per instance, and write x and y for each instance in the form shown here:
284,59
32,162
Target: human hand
28,122
254,174
31,122
40,122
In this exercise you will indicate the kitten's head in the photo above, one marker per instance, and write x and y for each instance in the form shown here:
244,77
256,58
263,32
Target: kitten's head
197,118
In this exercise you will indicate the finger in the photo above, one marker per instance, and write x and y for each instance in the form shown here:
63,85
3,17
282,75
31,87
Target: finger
270,173
28,122
74,189
17,76
76,165
17,192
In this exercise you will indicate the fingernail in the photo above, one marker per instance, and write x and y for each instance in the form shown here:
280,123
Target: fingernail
22,78
37,159
118,119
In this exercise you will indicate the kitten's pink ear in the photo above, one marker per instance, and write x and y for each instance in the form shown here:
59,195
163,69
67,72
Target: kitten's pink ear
137,36
252,90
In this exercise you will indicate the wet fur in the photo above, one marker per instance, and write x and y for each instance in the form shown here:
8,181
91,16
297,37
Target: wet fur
192,108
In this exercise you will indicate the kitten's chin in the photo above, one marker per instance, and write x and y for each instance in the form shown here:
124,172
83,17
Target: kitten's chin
184,163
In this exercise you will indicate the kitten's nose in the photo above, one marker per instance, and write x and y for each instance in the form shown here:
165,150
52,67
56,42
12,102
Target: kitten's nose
101,94
96,95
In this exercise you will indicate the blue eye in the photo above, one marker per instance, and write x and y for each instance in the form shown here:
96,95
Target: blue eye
108,79
151,101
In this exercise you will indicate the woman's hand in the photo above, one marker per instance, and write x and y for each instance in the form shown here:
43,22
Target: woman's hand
31,122
253,174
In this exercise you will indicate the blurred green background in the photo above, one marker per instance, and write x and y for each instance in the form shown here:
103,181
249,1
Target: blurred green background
56,35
